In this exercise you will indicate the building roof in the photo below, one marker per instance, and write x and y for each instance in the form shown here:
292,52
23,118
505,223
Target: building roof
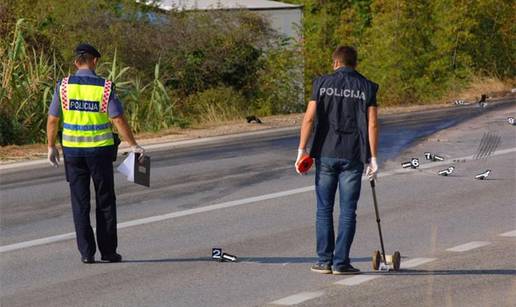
190,5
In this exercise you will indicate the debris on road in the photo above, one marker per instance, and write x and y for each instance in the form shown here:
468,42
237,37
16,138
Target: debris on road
511,120
253,118
447,171
229,257
459,160
483,175
483,101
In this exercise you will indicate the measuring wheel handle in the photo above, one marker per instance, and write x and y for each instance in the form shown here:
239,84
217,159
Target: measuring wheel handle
372,182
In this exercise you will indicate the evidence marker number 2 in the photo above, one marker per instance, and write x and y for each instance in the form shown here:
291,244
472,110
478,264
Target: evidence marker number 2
217,254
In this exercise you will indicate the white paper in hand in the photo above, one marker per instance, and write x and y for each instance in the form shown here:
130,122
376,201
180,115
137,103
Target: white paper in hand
127,167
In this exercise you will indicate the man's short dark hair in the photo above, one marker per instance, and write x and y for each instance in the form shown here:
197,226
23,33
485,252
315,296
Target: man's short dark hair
346,55
84,58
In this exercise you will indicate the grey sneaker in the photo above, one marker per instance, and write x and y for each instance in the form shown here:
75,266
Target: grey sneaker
345,270
321,268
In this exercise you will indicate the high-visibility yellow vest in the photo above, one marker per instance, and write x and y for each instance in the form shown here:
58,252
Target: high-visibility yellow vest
84,102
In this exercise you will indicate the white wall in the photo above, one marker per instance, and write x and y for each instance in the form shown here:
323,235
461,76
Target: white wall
285,21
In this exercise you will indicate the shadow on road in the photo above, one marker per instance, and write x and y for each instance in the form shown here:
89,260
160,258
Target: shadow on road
169,260
282,260
265,260
450,272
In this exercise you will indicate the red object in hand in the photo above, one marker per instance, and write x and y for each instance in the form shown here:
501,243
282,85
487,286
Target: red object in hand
305,164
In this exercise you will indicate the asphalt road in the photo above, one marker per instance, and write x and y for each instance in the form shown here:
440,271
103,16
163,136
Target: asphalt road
243,195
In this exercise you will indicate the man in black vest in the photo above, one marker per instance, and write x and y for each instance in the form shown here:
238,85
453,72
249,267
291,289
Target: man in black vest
344,110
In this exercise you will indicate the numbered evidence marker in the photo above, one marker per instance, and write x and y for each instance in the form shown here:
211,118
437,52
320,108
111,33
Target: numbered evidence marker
483,175
433,157
511,120
447,171
228,257
413,163
216,254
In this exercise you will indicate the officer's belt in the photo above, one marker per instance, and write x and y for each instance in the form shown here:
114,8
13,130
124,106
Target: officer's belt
96,138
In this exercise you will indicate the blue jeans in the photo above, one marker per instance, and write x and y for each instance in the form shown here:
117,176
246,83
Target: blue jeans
347,175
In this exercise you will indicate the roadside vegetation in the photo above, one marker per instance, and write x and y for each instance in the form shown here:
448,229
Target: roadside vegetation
170,69
419,51
179,69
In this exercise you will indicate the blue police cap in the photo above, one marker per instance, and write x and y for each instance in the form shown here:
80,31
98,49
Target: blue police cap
87,48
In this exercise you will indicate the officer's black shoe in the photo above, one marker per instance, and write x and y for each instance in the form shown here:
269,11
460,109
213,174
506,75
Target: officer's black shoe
112,258
345,270
88,260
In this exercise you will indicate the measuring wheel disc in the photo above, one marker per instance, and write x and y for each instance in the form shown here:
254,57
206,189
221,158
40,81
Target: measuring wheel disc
376,260
396,261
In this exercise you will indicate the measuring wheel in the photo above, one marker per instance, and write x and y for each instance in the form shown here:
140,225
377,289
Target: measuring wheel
396,261
376,260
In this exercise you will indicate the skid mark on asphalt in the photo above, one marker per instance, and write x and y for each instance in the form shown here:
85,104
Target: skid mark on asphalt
468,246
508,234
298,298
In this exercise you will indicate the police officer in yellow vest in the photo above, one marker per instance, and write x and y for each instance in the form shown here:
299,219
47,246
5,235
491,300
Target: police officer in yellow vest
88,105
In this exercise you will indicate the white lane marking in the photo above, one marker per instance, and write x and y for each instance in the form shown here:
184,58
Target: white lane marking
42,241
468,246
356,280
228,204
412,263
508,234
157,218
298,298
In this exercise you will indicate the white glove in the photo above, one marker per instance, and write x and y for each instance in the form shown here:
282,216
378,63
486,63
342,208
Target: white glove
137,149
53,156
372,169
301,153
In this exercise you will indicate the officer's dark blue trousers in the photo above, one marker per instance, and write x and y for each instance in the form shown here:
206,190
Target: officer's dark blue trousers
100,169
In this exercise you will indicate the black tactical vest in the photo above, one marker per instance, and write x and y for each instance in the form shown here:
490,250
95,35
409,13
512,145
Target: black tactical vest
341,129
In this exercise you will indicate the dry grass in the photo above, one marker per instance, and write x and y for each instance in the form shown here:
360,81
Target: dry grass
9,154
492,87
13,153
